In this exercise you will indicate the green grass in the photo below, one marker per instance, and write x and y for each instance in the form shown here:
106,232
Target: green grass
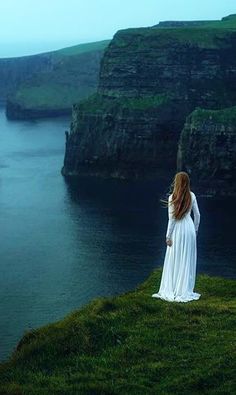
225,116
53,95
226,22
82,48
202,37
98,103
215,34
68,82
133,344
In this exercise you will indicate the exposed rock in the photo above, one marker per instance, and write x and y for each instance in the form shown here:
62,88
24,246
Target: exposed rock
123,138
207,150
48,84
195,65
13,71
189,67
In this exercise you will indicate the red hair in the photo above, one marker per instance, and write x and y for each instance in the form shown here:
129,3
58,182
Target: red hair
181,196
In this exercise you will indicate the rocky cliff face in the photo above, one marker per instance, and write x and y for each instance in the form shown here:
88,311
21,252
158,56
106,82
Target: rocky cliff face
13,71
47,84
197,66
207,150
122,138
52,93
163,74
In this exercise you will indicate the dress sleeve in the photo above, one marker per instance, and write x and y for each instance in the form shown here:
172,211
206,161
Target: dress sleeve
171,219
196,213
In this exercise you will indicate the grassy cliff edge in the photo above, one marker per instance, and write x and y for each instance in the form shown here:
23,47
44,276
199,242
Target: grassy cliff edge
132,344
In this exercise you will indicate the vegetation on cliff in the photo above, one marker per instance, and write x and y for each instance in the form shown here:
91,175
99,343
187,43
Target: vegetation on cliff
150,80
207,150
224,117
202,36
132,344
98,103
74,76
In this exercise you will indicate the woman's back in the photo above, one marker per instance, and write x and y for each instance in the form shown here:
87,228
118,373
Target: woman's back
179,270
193,207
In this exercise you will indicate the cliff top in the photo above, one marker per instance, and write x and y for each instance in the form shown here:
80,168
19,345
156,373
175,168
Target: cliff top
224,116
83,48
202,33
227,21
68,51
132,343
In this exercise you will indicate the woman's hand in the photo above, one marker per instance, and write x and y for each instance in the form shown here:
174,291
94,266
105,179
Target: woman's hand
169,242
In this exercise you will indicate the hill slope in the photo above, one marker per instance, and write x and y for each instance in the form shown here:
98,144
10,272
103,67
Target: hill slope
73,75
132,344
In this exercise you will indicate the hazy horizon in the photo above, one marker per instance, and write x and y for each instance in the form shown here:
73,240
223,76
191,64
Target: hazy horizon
27,30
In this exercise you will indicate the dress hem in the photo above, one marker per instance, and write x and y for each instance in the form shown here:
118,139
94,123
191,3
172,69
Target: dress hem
194,296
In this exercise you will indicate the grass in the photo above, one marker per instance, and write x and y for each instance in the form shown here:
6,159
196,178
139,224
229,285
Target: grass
225,116
226,22
98,103
56,95
215,34
71,80
82,48
132,344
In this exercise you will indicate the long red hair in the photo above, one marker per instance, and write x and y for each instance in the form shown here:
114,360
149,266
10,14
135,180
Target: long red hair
181,196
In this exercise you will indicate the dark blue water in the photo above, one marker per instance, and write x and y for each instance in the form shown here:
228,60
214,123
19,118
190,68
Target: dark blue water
63,244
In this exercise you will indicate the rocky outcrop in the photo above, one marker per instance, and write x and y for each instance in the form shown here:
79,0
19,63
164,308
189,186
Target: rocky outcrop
125,138
126,130
207,151
195,65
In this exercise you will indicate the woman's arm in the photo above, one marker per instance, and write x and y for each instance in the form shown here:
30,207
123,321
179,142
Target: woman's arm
196,213
171,222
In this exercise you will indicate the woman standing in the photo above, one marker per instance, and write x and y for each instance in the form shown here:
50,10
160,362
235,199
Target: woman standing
179,270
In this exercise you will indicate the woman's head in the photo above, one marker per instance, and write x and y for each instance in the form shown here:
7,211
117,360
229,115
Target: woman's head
181,182
181,197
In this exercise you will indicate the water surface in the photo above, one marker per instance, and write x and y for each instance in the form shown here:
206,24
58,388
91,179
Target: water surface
63,244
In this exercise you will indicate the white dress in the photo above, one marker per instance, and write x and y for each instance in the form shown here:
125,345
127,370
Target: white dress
179,270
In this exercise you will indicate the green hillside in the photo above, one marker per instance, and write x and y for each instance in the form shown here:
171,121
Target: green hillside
82,48
74,76
133,344
205,34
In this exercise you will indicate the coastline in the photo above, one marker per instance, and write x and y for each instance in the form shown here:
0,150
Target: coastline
132,343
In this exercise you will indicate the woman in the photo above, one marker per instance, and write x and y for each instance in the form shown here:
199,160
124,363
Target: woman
179,270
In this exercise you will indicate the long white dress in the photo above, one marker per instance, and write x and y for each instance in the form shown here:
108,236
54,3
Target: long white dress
179,270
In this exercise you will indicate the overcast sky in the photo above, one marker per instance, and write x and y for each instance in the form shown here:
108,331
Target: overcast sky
31,26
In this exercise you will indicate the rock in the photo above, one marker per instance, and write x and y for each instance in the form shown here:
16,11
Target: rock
207,151
126,138
150,80
47,85
14,71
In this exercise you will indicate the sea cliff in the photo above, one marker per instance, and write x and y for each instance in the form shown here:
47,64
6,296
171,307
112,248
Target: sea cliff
207,150
48,84
150,80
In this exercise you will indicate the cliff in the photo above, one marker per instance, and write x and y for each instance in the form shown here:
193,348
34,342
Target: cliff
13,71
132,344
70,74
124,138
150,80
207,150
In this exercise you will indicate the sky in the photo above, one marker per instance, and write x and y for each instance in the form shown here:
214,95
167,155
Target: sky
34,26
